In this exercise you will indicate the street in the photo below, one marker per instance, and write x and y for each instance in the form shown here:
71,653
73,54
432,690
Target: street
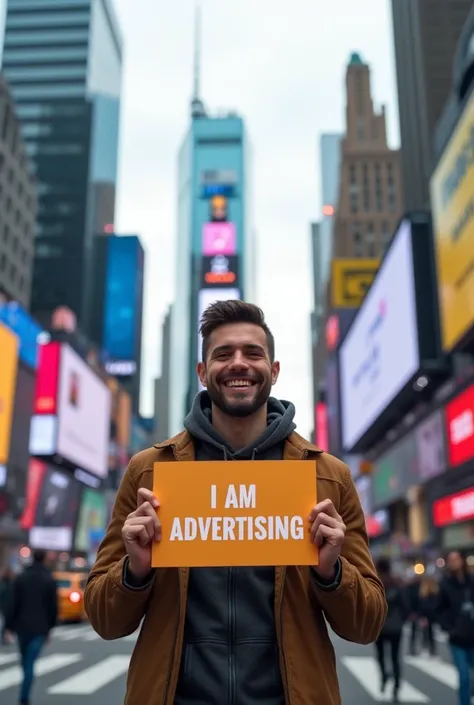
77,666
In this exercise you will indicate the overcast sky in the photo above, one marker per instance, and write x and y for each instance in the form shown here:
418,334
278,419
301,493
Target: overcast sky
282,66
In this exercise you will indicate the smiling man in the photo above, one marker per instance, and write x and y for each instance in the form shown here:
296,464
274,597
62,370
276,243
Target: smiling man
246,636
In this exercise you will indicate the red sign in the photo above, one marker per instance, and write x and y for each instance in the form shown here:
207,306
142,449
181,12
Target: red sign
377,524
36,472
332,332
47,379
460,427
454,508
321,427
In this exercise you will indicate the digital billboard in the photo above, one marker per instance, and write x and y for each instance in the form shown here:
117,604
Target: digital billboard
51,507
452,205
396,471
218,208
20,322
206,297
454,508
374,366
22,412
321,426
92,519
72,410
350,281
8,371
219,239
123,301
219,271
460,427
431,446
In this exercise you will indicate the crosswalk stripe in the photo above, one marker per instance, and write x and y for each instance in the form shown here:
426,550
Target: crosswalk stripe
14,675
92,679
7,658
443,672
72,634
91,636
366,671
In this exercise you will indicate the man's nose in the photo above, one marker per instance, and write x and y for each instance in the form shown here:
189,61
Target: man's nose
238,362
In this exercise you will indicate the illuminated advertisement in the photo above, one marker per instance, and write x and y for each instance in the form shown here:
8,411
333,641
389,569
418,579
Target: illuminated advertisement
72,410
460,428
92,520
206,297
452,206
219,271
51,507
218,209
429,436
321,426
219,239
350,281
8,371
396,471
374,367
27,330
123,305
454,508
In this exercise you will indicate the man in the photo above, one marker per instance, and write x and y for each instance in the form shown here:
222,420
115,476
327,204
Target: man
246,636
32,615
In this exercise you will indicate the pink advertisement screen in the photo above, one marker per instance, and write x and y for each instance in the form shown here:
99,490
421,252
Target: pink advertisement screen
219,239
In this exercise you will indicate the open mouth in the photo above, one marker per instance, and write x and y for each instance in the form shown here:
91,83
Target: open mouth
239,383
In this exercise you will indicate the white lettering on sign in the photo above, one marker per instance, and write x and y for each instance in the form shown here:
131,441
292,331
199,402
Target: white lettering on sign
462,427
463,507
237,528
278,528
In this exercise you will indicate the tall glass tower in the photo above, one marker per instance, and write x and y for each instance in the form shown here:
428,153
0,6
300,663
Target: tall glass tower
216,240
63,61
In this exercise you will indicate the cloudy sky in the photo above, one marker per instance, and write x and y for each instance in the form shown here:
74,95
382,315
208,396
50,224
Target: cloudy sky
281,65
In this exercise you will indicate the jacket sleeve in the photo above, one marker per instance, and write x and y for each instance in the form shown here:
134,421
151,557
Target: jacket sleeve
355,604
114,606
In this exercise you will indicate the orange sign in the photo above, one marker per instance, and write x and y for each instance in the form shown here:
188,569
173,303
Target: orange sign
235,513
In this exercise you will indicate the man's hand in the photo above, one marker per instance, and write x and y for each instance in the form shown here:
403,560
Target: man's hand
140,529
327,533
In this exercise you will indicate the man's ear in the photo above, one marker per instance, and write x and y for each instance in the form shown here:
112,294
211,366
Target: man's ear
201,373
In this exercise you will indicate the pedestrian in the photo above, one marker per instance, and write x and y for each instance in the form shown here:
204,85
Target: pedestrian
413,597
228,635
391,634
456,617
428,605
32,615
6,591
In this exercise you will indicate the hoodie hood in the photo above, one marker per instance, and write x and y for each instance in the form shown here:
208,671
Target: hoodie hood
280,424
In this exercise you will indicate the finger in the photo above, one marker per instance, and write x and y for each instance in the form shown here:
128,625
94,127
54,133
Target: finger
325,506
152,523
145,509
136,533
144,495
333,536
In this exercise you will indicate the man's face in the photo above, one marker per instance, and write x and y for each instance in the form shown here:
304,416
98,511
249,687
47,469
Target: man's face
455,562
237,372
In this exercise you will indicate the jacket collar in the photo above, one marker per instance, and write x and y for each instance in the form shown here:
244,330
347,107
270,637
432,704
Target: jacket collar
294,440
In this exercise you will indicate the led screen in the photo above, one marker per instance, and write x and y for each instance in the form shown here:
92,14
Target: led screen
380,352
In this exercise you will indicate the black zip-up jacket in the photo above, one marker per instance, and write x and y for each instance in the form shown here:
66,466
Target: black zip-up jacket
34,606
453,595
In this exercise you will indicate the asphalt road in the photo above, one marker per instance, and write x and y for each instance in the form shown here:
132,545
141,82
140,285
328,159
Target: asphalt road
78,667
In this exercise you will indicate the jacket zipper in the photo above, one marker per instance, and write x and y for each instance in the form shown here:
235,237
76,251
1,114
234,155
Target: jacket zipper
170,667
231,604
280,603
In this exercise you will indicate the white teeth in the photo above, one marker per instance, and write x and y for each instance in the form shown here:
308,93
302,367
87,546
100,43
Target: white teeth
238,383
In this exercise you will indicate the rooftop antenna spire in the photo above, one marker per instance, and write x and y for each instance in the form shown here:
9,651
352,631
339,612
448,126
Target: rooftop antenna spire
197,106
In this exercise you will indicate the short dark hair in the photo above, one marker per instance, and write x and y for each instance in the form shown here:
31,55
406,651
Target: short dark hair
222,313
384,567
39,556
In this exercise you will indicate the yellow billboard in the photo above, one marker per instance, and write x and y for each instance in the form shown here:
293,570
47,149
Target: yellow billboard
350,280
8,372
452,203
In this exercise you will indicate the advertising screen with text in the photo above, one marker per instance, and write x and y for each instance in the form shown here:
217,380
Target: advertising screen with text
374,367
460,428
219,271
454,508
235,514
8,370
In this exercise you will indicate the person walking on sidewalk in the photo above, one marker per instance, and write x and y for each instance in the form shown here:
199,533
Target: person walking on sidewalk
32,615
236,634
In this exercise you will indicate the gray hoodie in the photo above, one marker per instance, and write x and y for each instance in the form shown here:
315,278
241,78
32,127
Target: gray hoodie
230,652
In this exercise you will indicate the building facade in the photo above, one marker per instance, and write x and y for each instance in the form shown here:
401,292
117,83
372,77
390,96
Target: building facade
426,33
215,244
18,206
370,193
162,384
63,61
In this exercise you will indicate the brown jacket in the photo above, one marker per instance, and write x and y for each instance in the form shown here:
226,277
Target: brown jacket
356,610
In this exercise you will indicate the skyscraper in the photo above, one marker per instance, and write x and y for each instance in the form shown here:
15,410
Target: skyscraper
426,33
63,61
369,200
215,244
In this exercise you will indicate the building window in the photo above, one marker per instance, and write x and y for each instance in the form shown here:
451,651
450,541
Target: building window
378,189
370,240
365,186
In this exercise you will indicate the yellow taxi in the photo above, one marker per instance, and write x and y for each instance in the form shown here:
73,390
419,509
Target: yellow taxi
70,596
